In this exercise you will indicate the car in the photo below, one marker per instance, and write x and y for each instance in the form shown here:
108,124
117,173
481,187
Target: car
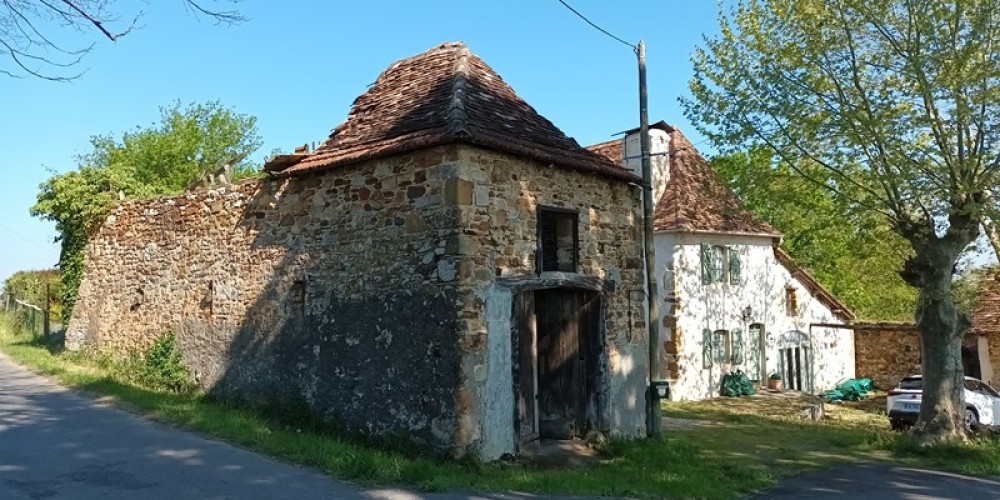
982,403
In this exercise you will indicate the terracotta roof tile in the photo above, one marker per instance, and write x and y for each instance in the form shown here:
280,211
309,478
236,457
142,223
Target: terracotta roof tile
613,150
445,95
696,198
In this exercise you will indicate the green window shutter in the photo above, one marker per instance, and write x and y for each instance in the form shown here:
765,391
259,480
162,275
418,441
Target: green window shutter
737,337
735,266
706,348
706,264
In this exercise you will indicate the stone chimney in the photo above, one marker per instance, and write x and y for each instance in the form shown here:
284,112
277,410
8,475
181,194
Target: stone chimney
659,148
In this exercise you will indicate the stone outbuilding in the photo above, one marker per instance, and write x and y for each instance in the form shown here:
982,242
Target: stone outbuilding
731,297
887,352
982,344
447,266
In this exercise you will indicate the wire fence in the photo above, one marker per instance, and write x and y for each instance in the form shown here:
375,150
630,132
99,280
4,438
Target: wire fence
29,318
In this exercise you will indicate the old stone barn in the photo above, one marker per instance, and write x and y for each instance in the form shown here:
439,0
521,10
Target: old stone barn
447,266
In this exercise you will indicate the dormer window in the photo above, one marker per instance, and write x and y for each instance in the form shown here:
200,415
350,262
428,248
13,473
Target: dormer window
558,240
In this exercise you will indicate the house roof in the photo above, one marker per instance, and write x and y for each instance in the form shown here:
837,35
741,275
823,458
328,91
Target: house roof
613,150
986,317
697,200
445,95
798,272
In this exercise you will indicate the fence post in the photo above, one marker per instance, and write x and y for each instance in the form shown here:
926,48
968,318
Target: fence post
46,327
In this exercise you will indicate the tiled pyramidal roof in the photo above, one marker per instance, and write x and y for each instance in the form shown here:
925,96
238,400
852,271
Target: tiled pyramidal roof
695,199
445,95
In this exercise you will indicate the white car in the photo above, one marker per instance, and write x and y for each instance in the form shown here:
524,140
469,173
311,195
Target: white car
982,403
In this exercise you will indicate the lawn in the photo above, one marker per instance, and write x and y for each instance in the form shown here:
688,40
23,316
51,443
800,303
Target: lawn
717,451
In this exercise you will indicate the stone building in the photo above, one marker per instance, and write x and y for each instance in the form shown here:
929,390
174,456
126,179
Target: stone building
447,265
887,352
732,299
982,344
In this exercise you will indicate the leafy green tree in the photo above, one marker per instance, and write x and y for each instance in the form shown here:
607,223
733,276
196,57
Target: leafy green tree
899,101
853,252
187,144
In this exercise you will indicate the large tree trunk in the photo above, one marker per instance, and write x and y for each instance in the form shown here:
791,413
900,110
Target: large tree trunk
941,327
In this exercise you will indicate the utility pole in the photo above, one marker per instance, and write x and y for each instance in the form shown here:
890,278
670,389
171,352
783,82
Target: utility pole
653,416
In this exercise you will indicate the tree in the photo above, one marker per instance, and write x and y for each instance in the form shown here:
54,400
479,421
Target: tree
823,231
898,101
30,32
163,159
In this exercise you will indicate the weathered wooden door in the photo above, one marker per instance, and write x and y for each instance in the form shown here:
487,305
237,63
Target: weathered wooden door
566,322
556,344
525,367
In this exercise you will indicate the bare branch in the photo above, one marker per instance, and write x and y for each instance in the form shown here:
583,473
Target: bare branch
27,32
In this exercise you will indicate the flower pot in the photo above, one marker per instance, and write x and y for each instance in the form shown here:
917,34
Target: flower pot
774,384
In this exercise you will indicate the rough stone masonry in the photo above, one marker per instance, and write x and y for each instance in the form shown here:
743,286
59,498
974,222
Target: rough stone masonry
372,295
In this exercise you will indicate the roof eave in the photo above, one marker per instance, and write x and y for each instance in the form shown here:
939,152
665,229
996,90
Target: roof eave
467,139
773,236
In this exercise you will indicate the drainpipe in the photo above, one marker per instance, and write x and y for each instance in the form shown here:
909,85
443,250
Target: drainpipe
653,416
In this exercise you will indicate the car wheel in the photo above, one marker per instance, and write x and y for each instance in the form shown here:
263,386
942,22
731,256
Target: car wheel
895,424
971,419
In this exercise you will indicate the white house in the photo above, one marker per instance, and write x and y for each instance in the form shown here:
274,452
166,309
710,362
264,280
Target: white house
731,298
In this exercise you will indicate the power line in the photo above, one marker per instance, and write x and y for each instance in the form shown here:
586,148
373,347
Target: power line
28,240
598,28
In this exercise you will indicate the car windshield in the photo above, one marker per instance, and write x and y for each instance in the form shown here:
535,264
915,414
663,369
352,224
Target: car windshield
989,390
911,384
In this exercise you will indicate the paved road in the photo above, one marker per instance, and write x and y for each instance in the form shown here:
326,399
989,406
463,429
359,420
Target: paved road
57,444
883,482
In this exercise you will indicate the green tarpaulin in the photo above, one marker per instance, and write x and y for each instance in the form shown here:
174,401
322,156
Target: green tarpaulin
850,390
737,384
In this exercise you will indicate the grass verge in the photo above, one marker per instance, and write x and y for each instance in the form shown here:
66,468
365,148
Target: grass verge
731,455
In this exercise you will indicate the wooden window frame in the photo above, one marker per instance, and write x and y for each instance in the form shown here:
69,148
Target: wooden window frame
568,213
792,307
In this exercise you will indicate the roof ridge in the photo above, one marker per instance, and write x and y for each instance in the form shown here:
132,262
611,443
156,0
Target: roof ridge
457,117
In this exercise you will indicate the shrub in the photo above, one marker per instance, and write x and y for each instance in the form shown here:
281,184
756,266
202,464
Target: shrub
159,368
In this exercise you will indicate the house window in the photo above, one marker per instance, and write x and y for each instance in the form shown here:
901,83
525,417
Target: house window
721,264
558,240
736,347
722,346
791,301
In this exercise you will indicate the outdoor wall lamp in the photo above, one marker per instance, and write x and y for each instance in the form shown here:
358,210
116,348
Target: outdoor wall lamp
747,314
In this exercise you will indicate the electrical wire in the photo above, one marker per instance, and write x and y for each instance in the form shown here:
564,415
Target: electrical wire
598,28
26,239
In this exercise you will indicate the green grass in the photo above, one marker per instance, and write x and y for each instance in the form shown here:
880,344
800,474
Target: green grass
736,454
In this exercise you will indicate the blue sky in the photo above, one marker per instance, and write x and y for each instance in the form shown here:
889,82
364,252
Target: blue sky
298,65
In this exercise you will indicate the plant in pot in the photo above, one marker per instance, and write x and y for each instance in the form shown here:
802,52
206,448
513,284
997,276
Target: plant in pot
774,382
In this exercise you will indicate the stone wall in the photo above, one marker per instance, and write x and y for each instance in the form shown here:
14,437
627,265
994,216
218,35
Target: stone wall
500,195
886,352
332,290
363,292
